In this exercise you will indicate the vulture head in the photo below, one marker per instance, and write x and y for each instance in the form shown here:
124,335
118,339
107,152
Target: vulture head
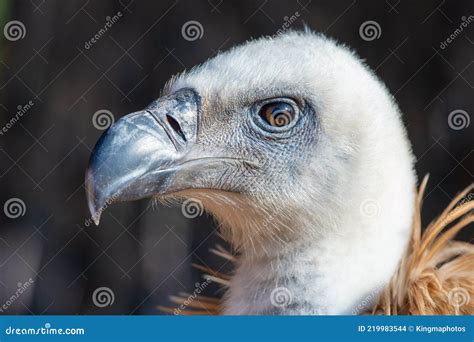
298,151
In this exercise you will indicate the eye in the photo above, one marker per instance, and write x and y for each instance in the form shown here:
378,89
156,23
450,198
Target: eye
277,114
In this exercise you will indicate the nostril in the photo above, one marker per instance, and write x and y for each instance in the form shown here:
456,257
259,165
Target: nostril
176,127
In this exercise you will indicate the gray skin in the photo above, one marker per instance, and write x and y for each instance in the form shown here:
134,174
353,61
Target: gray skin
145,154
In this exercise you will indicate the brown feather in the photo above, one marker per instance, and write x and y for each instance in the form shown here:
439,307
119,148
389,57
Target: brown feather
435,276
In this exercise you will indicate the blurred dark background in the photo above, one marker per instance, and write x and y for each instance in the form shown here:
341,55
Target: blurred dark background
53,74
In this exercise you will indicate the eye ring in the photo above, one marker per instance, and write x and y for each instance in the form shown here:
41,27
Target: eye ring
277,115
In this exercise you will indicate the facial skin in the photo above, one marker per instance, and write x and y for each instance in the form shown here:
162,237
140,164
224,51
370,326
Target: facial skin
263,160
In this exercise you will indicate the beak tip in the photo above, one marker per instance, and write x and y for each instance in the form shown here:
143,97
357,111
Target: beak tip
96,220
95,208
133,159
95,211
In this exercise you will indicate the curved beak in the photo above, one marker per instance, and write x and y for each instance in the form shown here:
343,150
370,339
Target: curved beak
139,155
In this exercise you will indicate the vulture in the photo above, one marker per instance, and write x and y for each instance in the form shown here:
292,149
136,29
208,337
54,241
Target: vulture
299,152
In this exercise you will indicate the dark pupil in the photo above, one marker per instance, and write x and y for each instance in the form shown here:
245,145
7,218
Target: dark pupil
278,114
